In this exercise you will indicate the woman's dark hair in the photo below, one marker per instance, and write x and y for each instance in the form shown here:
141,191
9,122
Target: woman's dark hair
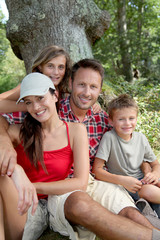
32,139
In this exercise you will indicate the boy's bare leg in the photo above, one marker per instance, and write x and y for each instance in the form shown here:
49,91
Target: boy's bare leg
82,209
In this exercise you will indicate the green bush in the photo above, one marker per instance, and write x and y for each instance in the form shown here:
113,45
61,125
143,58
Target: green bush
147,96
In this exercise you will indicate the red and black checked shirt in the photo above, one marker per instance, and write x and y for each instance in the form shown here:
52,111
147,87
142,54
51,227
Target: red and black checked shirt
15,117
96,124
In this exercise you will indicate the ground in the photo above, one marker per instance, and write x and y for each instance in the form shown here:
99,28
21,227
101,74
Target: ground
50,235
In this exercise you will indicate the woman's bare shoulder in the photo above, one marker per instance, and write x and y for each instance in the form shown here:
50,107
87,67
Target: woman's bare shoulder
76,126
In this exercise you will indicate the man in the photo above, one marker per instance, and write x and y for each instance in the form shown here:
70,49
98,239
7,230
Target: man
79,207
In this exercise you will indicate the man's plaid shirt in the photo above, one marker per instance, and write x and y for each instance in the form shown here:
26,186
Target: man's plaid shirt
96,124
15,117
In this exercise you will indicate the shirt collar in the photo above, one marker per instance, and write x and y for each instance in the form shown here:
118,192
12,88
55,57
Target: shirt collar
66,101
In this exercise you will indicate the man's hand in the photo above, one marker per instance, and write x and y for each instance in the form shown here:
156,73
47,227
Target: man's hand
8,156
26,191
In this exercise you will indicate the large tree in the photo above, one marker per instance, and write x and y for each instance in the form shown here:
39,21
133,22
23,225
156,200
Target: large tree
73,24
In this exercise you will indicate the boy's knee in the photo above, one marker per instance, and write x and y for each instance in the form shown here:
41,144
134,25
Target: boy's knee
146,192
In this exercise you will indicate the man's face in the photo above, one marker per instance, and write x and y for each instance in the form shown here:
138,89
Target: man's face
85,88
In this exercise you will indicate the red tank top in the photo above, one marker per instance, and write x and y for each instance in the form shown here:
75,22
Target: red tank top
58,164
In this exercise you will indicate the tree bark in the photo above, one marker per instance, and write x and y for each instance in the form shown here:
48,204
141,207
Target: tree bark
72,24
123,40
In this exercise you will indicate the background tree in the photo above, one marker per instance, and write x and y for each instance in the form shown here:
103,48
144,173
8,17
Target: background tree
11,68
123,40
141,37
73,24
142,44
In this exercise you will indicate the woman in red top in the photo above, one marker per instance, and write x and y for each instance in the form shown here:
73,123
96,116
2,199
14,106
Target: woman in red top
51,146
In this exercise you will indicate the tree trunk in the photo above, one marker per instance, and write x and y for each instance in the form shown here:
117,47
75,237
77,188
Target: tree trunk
72,24
123,41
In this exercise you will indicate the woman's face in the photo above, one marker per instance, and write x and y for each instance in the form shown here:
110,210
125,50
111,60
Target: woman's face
55,69
42,108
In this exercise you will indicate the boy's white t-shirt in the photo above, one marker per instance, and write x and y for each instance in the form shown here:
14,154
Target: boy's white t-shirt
125,157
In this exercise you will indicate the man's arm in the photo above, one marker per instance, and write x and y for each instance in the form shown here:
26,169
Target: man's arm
8,155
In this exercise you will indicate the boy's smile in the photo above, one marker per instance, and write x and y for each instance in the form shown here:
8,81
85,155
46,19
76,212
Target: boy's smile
124,122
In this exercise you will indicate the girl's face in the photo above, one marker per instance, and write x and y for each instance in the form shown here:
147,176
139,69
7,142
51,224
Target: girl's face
55,69
41,107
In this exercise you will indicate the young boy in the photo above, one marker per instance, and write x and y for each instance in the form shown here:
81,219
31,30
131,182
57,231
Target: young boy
122,151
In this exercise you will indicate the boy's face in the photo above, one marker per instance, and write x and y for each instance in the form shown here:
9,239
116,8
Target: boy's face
124,122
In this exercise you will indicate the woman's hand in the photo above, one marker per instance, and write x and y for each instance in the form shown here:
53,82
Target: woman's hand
26,191
96,108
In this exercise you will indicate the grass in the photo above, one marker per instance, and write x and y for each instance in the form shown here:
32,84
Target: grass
50,235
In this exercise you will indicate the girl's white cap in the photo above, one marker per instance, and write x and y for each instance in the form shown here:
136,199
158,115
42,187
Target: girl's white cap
35,84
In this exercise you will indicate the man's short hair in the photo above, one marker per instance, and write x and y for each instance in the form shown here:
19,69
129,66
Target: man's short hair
120,102
88,63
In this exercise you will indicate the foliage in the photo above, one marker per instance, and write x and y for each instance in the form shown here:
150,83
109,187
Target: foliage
4,44
148,99
11,68
143,26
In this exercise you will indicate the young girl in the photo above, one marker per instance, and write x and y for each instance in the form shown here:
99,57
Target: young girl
46,148
54,62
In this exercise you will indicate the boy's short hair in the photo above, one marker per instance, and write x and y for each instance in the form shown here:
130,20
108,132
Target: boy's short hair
122,101
88,63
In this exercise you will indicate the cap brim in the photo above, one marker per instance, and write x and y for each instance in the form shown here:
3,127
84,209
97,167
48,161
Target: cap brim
34,92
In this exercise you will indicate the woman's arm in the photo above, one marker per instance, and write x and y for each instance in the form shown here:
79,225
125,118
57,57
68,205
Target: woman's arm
26,191
7,106
8,101
79,144
12,94
27,195
130,183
